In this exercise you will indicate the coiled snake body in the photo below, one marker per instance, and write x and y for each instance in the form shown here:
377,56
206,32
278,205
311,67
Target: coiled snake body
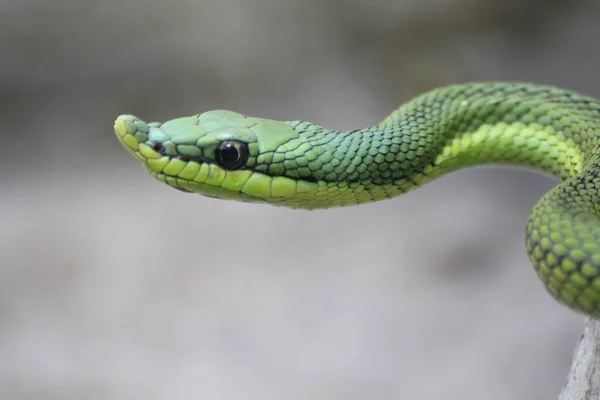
302,165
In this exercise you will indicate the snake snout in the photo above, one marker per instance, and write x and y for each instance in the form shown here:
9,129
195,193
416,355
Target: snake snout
131,131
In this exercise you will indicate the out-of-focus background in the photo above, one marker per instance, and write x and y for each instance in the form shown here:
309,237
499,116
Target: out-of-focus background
114,286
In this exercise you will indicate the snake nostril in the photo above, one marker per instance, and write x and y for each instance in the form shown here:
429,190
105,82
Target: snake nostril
157,147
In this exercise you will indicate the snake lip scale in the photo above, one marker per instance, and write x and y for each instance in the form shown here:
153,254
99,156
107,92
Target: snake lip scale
302,165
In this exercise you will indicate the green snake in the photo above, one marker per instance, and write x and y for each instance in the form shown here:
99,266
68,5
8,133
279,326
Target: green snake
302,165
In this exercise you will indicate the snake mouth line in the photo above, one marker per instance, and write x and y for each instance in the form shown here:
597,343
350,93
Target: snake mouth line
197,159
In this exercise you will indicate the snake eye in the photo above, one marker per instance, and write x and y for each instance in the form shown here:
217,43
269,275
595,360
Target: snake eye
232,155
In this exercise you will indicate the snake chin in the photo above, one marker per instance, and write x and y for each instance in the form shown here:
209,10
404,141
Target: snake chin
171,181
181,189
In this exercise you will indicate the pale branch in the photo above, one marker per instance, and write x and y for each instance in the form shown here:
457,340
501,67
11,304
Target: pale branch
583,382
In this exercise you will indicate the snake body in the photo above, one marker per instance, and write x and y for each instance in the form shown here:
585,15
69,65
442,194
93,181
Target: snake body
299,164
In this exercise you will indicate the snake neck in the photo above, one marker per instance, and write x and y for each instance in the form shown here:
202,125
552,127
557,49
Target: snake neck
539,127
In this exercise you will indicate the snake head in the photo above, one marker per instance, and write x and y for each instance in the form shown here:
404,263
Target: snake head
218,153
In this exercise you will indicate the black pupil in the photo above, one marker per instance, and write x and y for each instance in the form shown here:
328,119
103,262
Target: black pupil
229,154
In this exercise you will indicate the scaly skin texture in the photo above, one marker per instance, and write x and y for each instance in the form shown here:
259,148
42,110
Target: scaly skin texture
302,165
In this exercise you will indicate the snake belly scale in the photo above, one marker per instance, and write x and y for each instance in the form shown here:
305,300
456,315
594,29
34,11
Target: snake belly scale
299,164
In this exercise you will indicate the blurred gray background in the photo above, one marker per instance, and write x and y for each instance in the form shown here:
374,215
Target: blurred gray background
113,286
